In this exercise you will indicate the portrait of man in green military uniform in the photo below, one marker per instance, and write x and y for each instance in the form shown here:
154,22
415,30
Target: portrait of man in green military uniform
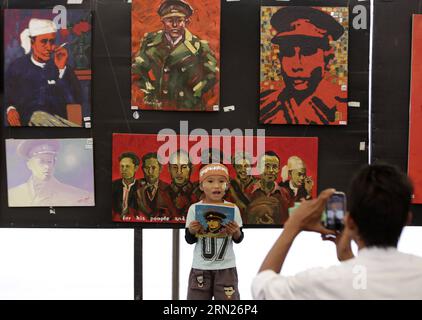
173,68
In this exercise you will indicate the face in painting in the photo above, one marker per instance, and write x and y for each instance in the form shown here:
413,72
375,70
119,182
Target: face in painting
42,166
174,26
302,66
43,46
152,170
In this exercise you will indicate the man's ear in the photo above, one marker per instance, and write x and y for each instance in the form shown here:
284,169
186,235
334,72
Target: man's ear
409,218
200,186
28,164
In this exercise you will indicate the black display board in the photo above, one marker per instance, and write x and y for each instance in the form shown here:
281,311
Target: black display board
391,83
339,154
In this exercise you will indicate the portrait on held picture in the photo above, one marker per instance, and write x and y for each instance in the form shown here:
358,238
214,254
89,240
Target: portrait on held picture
213,219
175,55
303,74
155,179
415,126
50,172
47,67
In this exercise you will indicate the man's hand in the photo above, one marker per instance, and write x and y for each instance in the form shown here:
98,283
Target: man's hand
344,245
13,118
233,229
343,242
307,217
60,57
195,227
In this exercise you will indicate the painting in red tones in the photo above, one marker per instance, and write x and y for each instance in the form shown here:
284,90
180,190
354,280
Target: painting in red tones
155,177
303,77
415,129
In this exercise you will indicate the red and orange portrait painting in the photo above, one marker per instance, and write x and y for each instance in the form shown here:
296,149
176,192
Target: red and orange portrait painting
155,177
415,128
176,55
303,77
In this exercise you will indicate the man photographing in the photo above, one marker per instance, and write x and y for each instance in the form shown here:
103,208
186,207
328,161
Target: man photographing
379,203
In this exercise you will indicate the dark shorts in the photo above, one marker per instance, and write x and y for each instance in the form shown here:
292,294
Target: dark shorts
220,284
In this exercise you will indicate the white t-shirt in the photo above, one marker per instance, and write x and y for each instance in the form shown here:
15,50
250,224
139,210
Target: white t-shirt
376,273
213,253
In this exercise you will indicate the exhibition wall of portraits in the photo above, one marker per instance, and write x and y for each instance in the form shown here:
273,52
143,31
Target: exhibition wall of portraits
303,77
47,65
176,55
415,127
50,172
155,179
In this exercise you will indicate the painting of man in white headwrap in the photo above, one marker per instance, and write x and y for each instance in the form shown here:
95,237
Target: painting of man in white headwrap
296,184
47,68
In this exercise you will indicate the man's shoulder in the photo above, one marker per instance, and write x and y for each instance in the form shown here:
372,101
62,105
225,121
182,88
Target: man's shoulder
117,185
332,92
18,189
269,96
20,63
197,42
70,190
150,38
162,185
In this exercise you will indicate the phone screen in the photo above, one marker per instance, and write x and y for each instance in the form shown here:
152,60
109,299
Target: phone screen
336,208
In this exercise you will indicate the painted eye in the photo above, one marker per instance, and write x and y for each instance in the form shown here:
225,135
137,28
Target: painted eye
287,51
308,51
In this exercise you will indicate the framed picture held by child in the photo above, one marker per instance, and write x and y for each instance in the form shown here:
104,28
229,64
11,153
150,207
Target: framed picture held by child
213,219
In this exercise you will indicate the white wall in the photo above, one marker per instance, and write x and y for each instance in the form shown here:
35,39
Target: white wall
66,264
98,263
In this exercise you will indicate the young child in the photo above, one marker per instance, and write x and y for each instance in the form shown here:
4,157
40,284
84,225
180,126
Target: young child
213,272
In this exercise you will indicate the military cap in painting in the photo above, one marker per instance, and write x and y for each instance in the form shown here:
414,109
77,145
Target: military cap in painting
175,8
29,148
290,22
212,215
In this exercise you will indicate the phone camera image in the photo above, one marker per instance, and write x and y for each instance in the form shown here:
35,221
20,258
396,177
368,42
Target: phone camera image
335,211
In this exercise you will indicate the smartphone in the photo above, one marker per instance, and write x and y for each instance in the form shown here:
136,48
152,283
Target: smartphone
335,211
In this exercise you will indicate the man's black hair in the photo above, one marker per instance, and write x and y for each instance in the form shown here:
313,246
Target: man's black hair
130,155
151,155
379,203
270,154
